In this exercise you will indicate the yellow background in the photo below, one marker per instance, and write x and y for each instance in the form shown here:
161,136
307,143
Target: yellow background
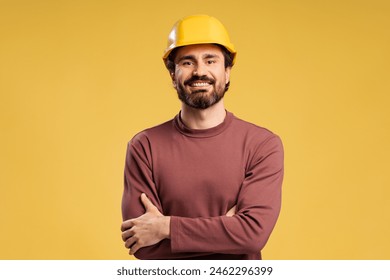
79,78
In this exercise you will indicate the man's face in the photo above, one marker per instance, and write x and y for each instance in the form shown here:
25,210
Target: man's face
200,75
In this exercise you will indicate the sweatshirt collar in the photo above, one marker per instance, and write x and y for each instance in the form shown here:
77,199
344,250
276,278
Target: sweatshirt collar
202,133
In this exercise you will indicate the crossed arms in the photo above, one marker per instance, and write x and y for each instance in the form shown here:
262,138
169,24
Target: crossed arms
153,227
245,229
150,228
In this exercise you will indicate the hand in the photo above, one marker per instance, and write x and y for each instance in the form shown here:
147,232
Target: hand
232,211
146,230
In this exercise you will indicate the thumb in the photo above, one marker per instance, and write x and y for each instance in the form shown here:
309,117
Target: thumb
147,203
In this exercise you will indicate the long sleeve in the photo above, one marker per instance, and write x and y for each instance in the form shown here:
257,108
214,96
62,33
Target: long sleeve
138,179
258,206
195,177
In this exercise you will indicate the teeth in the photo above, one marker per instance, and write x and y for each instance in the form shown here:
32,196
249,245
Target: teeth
200,84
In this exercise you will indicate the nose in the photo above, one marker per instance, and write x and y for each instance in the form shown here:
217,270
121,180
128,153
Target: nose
200,70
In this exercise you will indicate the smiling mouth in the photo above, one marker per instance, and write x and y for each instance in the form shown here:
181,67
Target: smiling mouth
200,84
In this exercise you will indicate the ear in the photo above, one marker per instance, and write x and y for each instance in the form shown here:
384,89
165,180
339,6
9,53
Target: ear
172,74
227,74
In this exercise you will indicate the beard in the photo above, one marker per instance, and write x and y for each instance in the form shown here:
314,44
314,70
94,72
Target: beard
201,99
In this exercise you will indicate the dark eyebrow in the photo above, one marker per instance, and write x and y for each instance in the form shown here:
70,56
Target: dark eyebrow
210,55
189,57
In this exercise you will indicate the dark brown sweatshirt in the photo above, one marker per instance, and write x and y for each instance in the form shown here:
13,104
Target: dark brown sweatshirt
196,176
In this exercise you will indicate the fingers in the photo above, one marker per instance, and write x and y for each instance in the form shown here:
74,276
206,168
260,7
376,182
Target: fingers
130,242
231,211
134,244
135,248
131,228
126,225
127,234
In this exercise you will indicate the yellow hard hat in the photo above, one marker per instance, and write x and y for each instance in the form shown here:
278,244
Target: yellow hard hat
198,29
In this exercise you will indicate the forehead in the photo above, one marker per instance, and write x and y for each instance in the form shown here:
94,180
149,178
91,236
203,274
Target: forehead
199,50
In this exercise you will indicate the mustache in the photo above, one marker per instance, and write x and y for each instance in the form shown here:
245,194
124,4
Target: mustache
195,78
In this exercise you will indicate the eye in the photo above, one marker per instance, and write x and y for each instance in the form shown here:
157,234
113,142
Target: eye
187,63
211,61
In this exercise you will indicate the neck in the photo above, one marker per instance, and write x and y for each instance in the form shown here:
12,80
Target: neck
203,118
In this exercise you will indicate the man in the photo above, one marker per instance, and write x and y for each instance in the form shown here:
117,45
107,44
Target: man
205,185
